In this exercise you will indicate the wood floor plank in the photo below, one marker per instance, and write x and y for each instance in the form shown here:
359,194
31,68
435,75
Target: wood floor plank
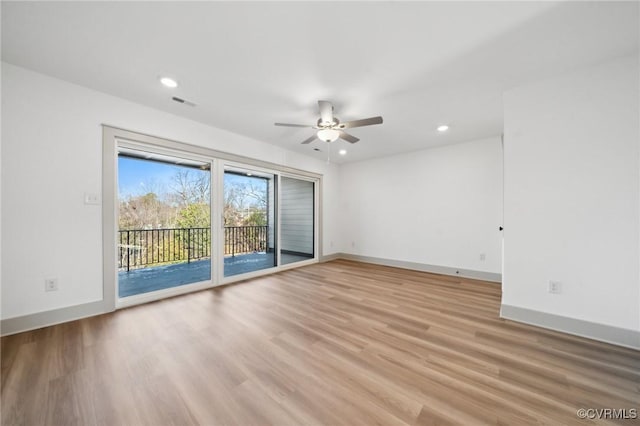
338,343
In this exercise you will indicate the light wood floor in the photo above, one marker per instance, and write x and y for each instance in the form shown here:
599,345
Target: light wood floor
340,343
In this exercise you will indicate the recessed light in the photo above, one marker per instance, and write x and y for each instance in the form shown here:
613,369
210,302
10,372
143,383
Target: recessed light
443,128
342,152
249,174
169,82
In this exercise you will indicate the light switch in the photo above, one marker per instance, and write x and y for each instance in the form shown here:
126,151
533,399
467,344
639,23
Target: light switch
91,198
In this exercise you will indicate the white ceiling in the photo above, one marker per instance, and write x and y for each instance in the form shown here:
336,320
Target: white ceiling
248,65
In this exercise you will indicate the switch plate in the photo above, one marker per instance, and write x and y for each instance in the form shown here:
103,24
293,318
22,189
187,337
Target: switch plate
91,198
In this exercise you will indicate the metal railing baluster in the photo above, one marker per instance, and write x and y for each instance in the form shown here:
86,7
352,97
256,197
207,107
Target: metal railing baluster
145,247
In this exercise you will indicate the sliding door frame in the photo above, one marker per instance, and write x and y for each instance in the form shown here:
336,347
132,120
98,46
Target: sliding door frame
123,302
260,272
278,194
316,221
114,137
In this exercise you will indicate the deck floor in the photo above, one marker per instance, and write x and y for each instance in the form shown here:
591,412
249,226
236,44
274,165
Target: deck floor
145,280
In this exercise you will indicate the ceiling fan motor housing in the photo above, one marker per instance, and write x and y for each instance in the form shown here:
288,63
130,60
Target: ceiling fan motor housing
327,125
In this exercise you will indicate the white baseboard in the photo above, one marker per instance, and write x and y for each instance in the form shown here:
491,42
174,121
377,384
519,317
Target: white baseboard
601,332
330,257
55,316
444,270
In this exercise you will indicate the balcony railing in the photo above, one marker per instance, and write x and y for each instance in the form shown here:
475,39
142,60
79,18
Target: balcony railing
245,239
144,247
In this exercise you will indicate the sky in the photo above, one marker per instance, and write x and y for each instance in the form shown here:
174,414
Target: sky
138,177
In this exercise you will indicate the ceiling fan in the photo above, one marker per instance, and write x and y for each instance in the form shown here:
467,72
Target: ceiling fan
330,128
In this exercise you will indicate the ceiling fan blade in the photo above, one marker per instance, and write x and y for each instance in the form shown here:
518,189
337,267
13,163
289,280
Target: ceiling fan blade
326,111
311,139
347,137
360,123
292,125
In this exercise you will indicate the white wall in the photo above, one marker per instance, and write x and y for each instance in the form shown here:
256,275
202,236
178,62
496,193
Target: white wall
572,194
439,206
51,156
1,180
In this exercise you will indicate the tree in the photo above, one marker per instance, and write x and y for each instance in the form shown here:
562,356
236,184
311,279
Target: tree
191,186
194,216
191,192
146,211
186,203
256,218
245,203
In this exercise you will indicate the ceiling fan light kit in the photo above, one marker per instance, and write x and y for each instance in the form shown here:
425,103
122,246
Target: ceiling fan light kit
330,128
328,135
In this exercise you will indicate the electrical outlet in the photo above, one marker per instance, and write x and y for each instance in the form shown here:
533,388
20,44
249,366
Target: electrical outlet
483,257
555,287
51,284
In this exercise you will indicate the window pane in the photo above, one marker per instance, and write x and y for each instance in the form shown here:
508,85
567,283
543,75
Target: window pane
164,229
296,220
249,221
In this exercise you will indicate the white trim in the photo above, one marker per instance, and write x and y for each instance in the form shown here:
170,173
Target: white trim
215,217
318,212
158,141
56,316
317,245
162,150
444,270
330,257
152,296
109,218
591,330
317,235
294,265
217,221
277,196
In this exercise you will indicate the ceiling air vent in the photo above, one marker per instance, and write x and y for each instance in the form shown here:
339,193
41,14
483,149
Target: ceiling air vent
183,101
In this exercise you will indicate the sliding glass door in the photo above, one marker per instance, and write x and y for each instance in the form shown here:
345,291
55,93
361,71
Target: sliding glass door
164,222
297,220
249,220
173,226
